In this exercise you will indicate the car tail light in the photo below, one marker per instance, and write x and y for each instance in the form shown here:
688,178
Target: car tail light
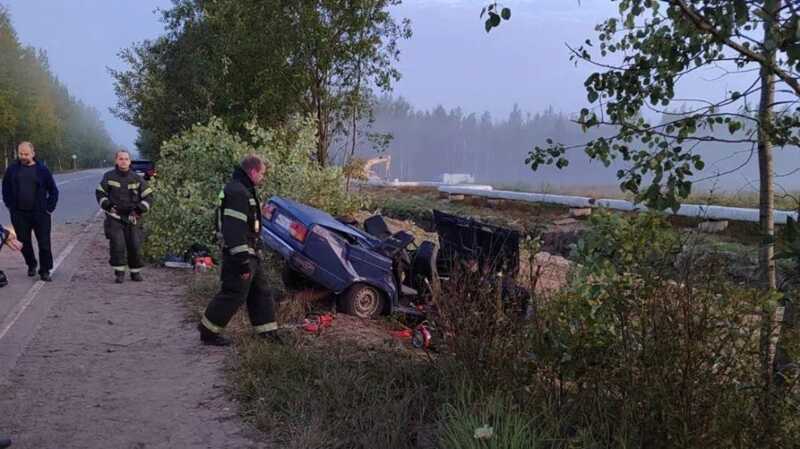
267,210
298,231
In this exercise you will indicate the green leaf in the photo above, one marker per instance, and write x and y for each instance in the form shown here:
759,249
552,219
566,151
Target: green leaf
742,14
495,19
506,13
483,12
592,96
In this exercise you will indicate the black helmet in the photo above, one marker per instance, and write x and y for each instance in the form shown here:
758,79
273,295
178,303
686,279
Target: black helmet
3,279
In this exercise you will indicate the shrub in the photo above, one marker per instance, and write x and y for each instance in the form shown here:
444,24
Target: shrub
650,345
195,165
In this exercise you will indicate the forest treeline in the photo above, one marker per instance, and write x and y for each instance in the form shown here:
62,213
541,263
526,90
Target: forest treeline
35,106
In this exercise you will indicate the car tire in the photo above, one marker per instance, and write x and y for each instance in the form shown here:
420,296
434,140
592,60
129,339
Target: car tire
363,301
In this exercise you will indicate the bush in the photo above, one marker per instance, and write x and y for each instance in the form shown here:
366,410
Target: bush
195,165
653,346
648,346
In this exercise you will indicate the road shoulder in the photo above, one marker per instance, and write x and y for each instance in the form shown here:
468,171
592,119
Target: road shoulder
119,366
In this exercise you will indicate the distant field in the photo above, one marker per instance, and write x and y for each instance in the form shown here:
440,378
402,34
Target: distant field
749,198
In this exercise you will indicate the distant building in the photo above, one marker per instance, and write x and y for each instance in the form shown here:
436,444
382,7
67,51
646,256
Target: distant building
458,178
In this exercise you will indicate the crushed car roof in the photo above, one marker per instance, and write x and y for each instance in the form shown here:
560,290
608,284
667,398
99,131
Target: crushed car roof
311,216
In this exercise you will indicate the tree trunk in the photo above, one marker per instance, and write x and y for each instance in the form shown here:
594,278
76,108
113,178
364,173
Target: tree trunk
766,219
322,138
766,175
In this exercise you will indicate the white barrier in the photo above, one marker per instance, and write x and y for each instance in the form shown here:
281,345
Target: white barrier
710,212
397,183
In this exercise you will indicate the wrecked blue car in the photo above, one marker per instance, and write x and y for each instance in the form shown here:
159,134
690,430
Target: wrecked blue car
373,271
368,271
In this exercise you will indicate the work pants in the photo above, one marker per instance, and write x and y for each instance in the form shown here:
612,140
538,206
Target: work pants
39,223
236,291
125,245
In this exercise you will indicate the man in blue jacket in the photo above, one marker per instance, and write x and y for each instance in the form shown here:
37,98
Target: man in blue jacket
31,195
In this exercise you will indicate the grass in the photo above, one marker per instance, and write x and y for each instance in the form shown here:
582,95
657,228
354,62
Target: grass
325,392
306,396
333,391
476,420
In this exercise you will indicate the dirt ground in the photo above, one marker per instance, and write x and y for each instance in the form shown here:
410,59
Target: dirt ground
118,366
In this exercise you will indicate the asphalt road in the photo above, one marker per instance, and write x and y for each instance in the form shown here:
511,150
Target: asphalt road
26,300
76,200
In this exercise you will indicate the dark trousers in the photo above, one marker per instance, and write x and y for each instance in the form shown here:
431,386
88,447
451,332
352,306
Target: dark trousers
236,291
125,245
38,223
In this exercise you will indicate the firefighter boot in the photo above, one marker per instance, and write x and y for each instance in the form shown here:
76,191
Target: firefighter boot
136,277
211,339
119,276
4,442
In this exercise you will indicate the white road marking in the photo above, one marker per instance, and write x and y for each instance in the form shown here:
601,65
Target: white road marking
27,300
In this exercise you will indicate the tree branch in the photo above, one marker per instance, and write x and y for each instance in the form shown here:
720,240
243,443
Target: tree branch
705,26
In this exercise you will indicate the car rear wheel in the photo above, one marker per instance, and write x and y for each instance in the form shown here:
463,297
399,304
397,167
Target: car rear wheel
363,301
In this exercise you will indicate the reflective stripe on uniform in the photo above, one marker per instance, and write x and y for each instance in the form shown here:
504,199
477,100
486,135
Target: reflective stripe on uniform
252,202
239,249
100,188
133,186
146,205
103,200
273,326
120,268
112,214
147,191
135,270
113,183
235,214
210,326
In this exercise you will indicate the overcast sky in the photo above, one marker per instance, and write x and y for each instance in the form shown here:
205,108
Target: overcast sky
450,60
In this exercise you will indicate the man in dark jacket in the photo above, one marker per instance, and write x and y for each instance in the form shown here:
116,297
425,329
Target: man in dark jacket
239,221
124,196
31,196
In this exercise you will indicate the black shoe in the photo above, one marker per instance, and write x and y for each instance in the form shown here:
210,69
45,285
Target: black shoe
136,277
119,277
5,442
272,337
46,277
211,339
31,272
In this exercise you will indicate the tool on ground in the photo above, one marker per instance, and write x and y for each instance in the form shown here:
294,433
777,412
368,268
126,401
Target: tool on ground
313,323
422,337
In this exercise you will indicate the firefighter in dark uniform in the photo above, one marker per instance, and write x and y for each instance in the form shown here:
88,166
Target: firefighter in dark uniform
124,196
239,221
